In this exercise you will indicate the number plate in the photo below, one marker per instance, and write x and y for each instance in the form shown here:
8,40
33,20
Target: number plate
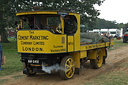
33,61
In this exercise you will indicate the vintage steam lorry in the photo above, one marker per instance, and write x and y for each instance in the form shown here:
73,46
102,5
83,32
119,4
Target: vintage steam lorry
44,39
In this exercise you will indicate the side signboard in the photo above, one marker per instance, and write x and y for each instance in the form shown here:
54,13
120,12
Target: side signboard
40,42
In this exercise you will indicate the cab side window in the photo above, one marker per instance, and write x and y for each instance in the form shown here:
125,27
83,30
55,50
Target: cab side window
70,25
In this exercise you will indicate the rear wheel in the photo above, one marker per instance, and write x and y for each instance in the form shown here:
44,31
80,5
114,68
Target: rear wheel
104,57
68,67
97,63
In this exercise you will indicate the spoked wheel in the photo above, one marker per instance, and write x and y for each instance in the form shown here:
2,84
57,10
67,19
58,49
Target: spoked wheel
29,71
97,63
68,67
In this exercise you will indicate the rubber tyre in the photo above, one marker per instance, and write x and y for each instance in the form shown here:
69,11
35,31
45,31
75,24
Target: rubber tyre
124,40
97,63
30,71
68,65
104,57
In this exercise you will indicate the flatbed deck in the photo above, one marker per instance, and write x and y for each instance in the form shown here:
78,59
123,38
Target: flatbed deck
94,46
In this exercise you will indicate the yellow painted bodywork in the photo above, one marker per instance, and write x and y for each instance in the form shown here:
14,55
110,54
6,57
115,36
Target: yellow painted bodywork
92,46
36,12
95,46
76,58
73,41
103,51
70,43
83,54
40,41
110,43
92,54
77,34
62,24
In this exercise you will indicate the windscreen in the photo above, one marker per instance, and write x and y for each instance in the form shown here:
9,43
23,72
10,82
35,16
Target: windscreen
49,22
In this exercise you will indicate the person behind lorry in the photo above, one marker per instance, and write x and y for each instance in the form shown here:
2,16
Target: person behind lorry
110,39
70,25
0,56
104,34
117,35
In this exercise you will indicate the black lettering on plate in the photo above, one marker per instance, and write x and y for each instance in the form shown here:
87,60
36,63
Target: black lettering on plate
58,46
70,43
32,49
31,32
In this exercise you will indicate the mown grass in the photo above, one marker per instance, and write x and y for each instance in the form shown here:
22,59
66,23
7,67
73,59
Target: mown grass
13,63
119,43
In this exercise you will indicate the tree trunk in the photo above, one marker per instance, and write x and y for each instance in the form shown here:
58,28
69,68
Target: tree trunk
3,32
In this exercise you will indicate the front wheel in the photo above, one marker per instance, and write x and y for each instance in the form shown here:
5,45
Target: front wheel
68,67
29,71
97,63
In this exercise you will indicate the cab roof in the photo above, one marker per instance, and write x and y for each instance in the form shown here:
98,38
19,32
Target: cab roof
45,12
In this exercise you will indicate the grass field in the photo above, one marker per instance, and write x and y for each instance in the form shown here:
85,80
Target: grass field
13,63
119,43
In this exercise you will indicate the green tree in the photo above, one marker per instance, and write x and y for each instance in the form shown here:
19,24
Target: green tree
102,23
126,25
7,15
10,7
121,25
3,18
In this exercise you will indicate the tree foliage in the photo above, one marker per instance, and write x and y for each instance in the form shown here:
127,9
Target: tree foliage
121,25
102,23
10,7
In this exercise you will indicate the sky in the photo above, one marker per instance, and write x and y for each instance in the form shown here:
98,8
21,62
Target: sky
114,10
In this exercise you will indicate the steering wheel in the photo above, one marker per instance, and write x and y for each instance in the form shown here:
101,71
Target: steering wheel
49,28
